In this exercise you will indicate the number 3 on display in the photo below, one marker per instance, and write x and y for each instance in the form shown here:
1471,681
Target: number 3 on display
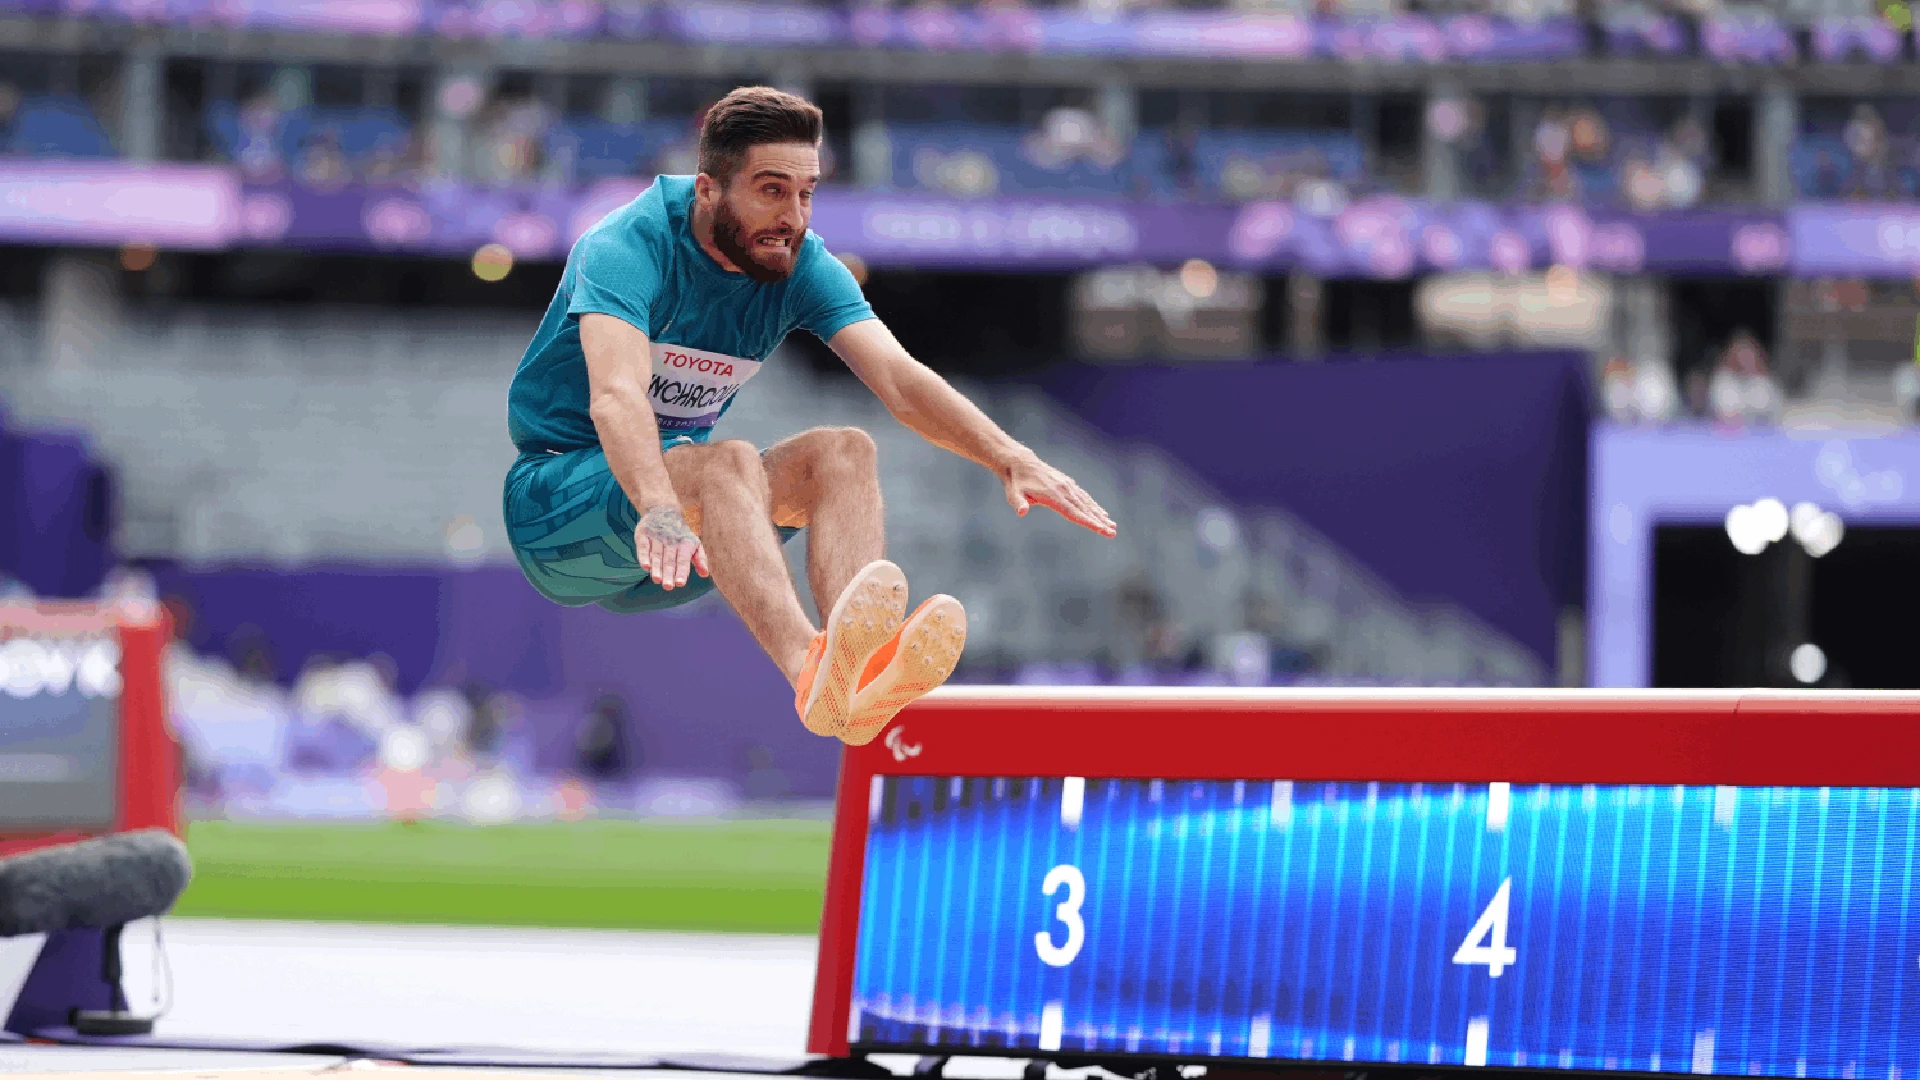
1487,942
1067,912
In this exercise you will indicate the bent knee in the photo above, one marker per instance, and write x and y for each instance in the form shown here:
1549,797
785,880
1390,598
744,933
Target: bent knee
843,448
736,457
731,465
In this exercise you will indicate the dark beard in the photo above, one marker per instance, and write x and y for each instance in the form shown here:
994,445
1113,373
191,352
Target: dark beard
730,236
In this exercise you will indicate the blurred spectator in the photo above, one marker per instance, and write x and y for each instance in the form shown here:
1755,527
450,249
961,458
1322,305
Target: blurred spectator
1828,176
513,134
392,161
185,616
1300,173
1616,389
359,693
1067,135
9,108
1681,177
1481,157
1865,137
1588,136
1552,145
1674,177
257,149
964,173
1183,159
487,721
445,715
252,654
228,725
1741,390
1906,391
1641,393
322,164
601,745
128,588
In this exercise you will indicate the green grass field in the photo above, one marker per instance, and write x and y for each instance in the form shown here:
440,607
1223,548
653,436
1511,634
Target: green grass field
763,876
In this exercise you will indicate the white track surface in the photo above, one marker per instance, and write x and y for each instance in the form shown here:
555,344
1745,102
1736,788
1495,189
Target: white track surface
549,990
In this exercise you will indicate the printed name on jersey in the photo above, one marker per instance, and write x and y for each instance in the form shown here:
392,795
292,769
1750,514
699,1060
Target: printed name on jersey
665,391
690,386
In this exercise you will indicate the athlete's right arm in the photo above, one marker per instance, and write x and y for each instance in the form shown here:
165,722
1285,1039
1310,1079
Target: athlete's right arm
619,364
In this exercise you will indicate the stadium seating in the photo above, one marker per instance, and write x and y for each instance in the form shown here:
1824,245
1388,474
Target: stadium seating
970,160
360,135
1243,164
977,159
56,125
589,149
1824,166
289,435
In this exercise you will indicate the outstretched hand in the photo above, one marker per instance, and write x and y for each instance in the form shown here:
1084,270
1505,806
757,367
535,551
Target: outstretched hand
1034,482
667,548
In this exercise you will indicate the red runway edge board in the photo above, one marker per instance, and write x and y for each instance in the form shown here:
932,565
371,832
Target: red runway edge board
147,791
1713,737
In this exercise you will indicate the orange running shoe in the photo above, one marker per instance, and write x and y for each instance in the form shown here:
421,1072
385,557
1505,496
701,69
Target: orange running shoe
915,660
862,620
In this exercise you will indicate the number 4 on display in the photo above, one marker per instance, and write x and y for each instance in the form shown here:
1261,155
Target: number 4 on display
1487,942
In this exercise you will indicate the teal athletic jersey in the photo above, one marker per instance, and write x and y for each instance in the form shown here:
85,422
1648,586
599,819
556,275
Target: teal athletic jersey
710,329
570,524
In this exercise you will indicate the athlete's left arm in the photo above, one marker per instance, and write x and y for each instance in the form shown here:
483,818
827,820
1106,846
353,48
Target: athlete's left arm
922,400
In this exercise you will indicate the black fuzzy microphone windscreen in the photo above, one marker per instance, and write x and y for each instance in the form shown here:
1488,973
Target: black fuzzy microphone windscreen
104,882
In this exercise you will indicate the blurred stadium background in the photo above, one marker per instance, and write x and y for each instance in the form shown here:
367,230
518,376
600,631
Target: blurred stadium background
1459,342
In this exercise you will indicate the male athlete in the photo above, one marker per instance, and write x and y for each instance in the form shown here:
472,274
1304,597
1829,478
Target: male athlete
666,308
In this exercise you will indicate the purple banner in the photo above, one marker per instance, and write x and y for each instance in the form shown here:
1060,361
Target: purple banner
920,231
1393,238
753,24
206,207
177,206
1841,39
391,17
1856,239
1643,33
1379,238
1747,38
1740,38
1407,39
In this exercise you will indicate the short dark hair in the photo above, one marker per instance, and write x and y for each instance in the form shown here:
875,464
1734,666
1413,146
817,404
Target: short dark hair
753,116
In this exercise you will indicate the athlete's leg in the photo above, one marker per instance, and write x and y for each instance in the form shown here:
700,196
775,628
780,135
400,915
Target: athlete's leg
825,481
724,495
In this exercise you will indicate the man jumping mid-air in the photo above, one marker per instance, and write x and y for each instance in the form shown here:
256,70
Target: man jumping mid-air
666,308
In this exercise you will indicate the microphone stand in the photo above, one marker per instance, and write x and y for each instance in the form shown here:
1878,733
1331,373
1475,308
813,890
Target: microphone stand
116,1019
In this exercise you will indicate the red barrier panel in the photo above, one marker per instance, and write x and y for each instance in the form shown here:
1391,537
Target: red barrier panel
1739,738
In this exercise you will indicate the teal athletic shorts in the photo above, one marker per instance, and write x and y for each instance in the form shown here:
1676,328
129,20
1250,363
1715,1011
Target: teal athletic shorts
571,528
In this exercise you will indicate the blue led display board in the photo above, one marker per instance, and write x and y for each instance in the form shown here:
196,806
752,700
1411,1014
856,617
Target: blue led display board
1738,931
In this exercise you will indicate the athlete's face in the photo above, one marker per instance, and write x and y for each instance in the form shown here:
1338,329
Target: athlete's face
760,216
